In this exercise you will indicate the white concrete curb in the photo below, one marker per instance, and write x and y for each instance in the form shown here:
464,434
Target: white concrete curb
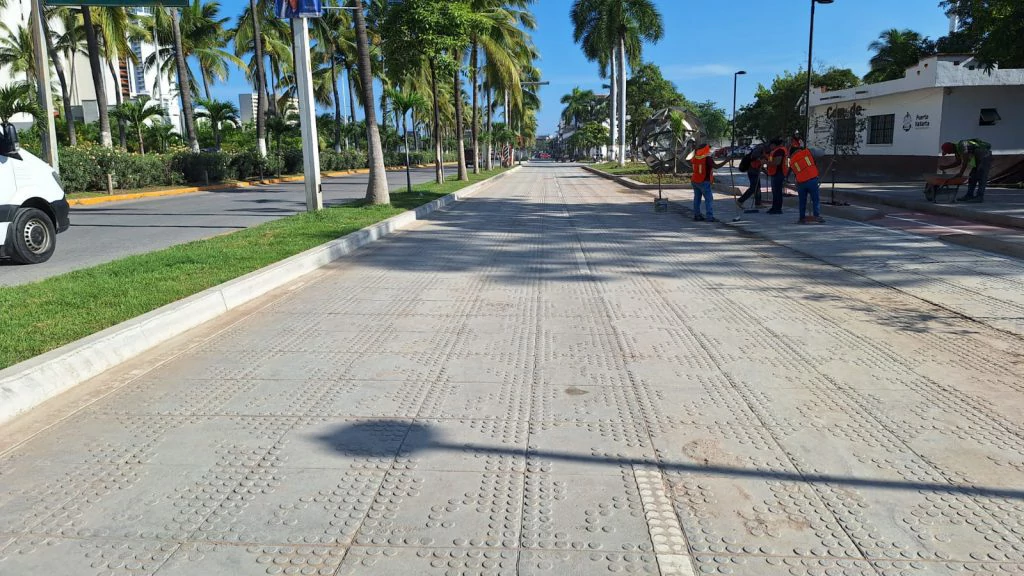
34,381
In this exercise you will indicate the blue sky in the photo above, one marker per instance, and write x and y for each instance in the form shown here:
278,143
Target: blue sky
763,37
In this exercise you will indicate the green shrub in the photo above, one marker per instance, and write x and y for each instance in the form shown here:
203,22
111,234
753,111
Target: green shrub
79,170
331,161
248,165
194,167
293,160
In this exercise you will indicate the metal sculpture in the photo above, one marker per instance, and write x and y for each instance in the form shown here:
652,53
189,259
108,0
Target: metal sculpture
663,150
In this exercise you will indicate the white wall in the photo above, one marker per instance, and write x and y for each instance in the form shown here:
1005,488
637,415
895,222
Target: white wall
962,107
917,123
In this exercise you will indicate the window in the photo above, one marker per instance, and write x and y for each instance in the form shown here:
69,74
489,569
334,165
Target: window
846,130
989,117
880,129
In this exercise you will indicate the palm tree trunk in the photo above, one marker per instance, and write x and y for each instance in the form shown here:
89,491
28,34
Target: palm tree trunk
97,77
377,189
459,132
261,100
351,94
613,95
504,111
122,136
215,126
206,81
622,99
476,108
142,145
490,132
65,95
184,86
438,152
337,105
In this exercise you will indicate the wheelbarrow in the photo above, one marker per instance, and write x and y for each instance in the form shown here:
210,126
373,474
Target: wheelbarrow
938,184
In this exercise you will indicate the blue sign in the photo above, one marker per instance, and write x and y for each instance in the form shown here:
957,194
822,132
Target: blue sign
298,8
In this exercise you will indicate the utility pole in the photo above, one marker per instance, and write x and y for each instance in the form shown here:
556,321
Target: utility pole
49,141
307,116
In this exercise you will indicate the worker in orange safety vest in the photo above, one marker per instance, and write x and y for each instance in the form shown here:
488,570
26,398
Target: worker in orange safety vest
805,169
703,175
777,168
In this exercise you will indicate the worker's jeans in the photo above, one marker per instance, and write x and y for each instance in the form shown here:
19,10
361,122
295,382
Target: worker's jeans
811,187
778,186
979,177
754,176
702,190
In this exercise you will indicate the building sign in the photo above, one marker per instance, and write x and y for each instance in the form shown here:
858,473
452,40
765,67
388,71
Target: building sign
908,122
916,122
119,3
298,8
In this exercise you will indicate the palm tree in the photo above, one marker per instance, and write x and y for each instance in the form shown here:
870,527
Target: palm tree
895,51
333,48
135,114
377,189
161,133
18,98
52,50
578,105
203,36
16,51
249,37
118,28
184,82
620,27
97,76
405,101
217,112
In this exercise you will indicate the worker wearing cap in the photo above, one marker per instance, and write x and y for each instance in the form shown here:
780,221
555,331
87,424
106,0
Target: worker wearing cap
805,169
703,175
777,168
975,154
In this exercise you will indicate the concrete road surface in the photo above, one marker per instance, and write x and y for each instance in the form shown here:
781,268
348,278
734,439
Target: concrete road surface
551,379
107,232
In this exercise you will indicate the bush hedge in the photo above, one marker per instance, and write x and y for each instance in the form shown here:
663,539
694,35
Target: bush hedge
84,168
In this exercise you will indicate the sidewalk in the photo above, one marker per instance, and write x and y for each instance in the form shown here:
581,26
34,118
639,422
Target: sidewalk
551,378
1002,206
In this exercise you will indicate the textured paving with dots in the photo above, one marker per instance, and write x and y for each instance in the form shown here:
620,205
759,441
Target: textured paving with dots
550,378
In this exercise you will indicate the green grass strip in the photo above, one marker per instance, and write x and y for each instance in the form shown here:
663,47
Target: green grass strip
45,315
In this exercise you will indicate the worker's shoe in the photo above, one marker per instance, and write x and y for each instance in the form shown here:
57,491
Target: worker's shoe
711,219
774,212
817,220
698,218
803,221
977,199
966,198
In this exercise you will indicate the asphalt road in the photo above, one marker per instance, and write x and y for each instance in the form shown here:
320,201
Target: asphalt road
107,232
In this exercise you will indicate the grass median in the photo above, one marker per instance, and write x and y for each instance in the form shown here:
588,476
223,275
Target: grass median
640,172
42,316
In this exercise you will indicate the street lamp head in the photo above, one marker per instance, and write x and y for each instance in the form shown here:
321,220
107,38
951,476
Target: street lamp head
824,1
741,72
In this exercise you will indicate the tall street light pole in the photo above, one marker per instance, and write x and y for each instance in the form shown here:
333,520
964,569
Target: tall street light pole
810,50
735,76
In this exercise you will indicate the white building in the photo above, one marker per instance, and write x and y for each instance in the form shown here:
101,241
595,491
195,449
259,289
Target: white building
248,104
904,122
133,79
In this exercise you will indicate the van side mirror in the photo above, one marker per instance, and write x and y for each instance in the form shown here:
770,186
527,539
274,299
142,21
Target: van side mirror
8,139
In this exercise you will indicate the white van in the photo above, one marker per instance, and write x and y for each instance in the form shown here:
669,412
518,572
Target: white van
32,204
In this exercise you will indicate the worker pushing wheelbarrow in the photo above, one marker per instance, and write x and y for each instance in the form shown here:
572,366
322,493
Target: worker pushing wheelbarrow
937,184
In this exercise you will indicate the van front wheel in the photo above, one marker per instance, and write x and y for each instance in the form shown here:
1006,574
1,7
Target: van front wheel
34,237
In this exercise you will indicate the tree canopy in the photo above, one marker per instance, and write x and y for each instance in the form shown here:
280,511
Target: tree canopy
992,30
895,51
776,111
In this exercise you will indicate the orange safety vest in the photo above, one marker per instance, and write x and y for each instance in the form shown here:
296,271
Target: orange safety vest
774,169
803,166
700,166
